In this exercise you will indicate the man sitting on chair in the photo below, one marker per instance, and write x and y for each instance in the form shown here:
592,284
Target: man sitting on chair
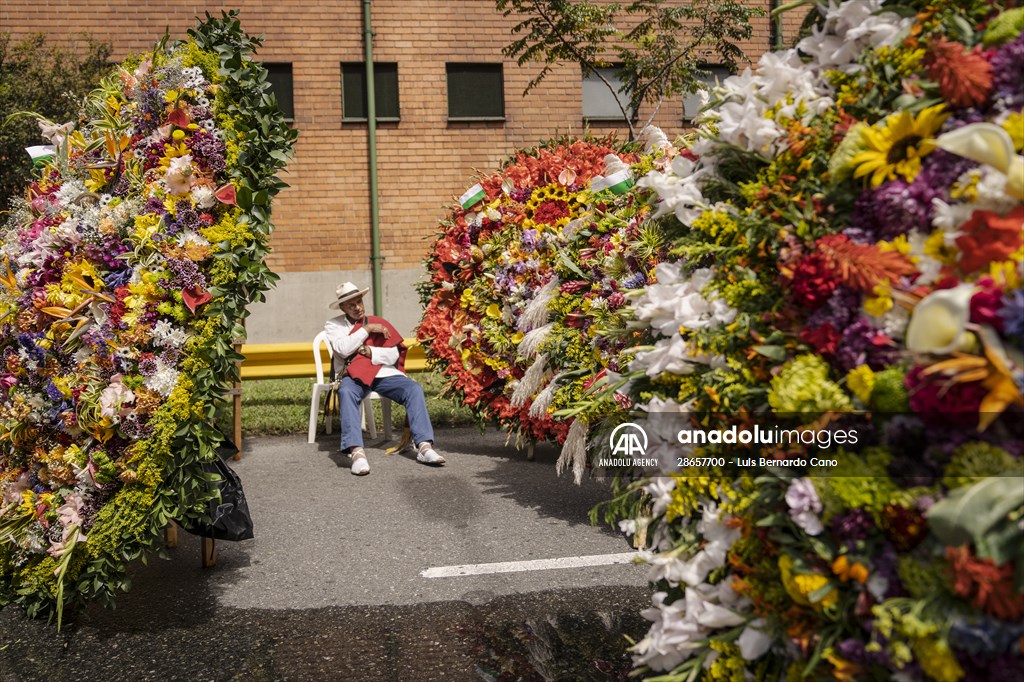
375,358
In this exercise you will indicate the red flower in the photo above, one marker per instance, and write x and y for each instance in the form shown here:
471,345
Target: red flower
549,212
813,282
988,586
989,237
905,527
985,304
939,401
824,339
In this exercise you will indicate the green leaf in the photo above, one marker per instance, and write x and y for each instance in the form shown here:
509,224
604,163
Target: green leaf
967,514
777,353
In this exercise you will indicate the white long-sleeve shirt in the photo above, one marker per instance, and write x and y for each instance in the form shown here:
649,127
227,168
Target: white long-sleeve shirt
346,342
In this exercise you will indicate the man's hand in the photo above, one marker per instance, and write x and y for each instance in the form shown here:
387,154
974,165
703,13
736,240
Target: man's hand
365,351
376,328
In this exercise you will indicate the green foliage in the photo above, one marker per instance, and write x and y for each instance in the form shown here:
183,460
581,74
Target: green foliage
49,80
661,55
281,406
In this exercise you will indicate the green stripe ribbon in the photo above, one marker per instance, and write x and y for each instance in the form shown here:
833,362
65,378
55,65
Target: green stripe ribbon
472,195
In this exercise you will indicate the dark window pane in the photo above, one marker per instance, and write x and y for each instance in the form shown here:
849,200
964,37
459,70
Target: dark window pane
280,78
385,87
475,91
599,102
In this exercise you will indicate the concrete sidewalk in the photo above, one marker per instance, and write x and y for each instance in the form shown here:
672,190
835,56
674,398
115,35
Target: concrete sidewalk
331,586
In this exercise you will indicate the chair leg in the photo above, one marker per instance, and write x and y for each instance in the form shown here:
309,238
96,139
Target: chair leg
371,421
314,414
385,408
329,412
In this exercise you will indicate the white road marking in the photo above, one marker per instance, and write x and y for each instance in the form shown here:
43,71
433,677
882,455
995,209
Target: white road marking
533,565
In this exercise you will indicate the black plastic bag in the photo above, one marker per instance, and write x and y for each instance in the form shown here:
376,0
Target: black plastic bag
229,520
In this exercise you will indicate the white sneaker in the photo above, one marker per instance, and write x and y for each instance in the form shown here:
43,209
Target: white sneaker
427,455
360,467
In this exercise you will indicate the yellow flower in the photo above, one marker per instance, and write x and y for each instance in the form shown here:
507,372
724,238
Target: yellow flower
861,381
935,246
1006,273
468,299
800,586
937,661
900,245
518,337
880,303
97,179
494,310
894,149
1014,125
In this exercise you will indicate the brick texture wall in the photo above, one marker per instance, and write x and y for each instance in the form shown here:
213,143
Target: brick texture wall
423,161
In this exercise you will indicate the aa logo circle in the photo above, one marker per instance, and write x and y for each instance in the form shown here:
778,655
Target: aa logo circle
628,440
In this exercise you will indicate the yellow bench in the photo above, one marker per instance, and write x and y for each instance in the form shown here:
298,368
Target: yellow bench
285,360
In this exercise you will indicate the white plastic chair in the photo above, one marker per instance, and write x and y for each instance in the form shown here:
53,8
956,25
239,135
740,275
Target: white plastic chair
322,387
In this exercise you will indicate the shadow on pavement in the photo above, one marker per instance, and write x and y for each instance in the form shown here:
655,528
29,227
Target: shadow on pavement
559,635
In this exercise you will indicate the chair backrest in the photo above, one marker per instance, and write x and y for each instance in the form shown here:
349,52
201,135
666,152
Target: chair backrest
318,340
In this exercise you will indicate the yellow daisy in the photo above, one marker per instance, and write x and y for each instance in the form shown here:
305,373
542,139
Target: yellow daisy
895,148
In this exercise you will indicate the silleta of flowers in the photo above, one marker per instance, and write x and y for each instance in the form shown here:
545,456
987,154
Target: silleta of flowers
523,277
850,257
122,283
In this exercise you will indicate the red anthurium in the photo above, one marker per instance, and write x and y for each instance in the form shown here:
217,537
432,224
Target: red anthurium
194,297
179,117
226,194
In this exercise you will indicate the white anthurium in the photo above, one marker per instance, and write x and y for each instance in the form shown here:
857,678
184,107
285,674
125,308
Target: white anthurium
939,321
989,144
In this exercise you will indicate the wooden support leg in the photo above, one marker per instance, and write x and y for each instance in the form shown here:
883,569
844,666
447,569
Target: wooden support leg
209,553
237,406
171,535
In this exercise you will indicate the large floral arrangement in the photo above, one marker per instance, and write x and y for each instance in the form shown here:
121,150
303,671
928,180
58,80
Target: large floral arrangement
125,275
850,261
523,278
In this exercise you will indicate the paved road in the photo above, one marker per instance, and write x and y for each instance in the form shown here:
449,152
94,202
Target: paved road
331,587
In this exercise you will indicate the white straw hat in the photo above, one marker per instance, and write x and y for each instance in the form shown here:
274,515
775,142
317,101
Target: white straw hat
346,292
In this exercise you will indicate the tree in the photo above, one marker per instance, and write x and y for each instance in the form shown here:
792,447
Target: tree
48,80
661,55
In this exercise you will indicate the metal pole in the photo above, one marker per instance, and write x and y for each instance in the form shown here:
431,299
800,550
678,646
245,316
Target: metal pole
371,146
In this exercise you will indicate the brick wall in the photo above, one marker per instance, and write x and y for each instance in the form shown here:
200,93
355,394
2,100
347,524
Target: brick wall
423,160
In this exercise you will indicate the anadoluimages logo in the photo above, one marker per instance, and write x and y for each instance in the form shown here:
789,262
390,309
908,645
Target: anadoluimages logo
628,440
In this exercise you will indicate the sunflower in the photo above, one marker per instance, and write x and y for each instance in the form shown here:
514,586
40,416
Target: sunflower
895,148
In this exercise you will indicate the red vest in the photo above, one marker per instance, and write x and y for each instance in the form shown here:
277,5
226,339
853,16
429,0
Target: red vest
361,368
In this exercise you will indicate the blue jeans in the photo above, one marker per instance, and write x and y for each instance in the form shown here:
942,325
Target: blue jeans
401,389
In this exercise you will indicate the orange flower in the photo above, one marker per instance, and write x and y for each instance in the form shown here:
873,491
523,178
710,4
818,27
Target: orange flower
847,571
964,78
988,238
989,587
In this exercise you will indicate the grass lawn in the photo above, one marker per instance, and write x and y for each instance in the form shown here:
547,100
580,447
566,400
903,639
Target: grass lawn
280,406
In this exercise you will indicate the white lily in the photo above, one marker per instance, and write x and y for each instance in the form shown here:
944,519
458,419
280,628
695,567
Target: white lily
938,323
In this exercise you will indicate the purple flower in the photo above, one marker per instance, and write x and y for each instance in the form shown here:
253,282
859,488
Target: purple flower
529,240
852,527
864,344
854,651
1012,313
186,273
634,281
804,505
1008,73
842,307
889,211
